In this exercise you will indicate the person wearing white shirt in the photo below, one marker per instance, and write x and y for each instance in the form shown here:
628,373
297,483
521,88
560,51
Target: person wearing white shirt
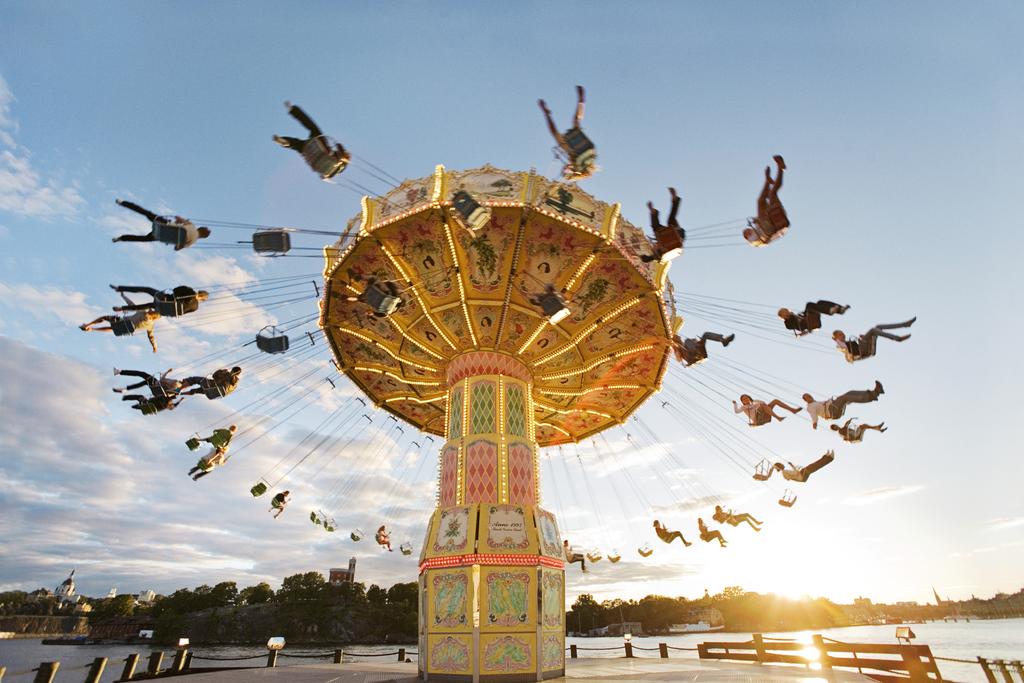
835,407
760,413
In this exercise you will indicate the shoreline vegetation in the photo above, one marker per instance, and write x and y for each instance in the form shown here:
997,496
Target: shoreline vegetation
307,610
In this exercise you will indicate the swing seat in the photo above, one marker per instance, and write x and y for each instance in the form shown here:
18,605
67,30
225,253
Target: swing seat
788,499
669,241
170,233
271,242
554,307
474,216
322,157
212,390
614,557
193,443
313,517
269,340
763,470
356,535
148,408
382,302
171,308
645,550
406,548
777,219
258,490
122,327
595,557
581,148
329,526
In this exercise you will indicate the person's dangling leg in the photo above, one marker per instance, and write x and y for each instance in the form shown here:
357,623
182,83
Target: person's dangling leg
840,403
577,118
290,143
152,291
655,220
780,404
303,118
824,307
876,332
724,340
194,470
895,326
135,397
201,475
132,206
672,220
136,238
777,183
880,427
817,465
146,377
551,124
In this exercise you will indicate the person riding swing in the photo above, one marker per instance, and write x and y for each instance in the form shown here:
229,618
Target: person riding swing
173,303
383,537
668,536
669,239
730,517
760,413
802,474
771,221
694,350
325,156
576,147
809,319
864,346
708,535
572,556
179,231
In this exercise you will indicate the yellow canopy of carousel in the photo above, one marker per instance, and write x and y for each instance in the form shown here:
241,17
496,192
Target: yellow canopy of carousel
466,292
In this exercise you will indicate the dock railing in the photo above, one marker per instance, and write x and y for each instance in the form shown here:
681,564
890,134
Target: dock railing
904,662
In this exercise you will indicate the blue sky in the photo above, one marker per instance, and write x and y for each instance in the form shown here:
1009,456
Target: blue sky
901,128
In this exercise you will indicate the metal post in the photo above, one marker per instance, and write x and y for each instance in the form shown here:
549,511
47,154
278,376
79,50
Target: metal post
3,670
188,660
1005,671
663,650
96,670
130,662
989,676
272,659
401,654
156,660
629,650
759,645
337,656
572,651
46,672
824,659
179,660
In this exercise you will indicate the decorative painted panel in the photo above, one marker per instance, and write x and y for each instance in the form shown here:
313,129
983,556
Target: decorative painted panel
506,597
552,652
481,472
506,529
450,654
509,653
552,600
453,532
449,600
482,408
455,415
449,477
521,485
515,410
550,539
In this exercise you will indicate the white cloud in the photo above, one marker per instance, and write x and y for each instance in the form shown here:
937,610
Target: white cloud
23,190
882,493
1005,523
67,305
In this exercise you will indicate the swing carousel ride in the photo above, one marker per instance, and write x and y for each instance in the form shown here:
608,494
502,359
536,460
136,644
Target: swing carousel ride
500,312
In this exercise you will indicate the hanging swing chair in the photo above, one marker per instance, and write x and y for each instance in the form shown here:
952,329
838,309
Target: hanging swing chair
123,327
473,215
763,470
356,535
275,242
645,550
167,230
595,557
669,242
406,548
270,340
788,499
258,490
325,156
614,556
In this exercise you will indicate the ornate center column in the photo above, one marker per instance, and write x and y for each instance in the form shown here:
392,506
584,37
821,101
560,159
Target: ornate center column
492,579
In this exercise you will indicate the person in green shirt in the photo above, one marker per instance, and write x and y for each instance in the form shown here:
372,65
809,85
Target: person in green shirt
221,442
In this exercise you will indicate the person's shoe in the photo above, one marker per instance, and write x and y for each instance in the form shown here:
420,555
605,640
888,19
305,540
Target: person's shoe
115,239
650,206
672,192
879,389
287,104
686,543
544,106
911,321
117,390
280,140
119,202
116,372
842,309
579,92
728,340
780,161
83,327
903,338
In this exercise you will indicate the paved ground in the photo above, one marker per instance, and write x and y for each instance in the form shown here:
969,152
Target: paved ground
618,670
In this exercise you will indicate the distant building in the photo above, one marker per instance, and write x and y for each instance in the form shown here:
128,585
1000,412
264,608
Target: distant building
66,591
145,597
112,593
340,576
632,627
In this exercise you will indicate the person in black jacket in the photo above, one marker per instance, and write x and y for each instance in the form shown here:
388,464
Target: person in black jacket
178,301
810,319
